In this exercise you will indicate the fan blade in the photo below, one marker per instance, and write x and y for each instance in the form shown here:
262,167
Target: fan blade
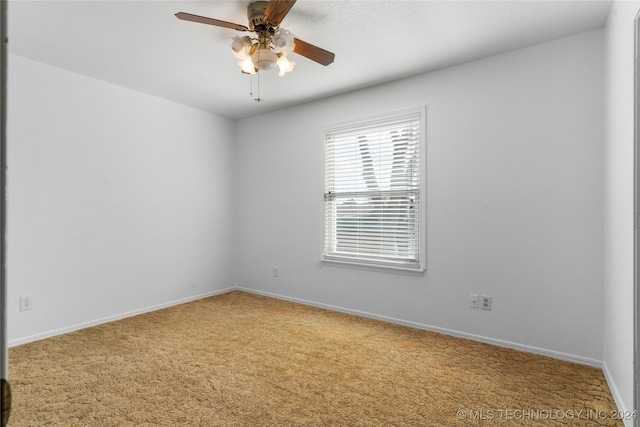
210,21
312,52
277,10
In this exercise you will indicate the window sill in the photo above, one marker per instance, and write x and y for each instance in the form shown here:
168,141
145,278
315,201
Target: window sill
373,267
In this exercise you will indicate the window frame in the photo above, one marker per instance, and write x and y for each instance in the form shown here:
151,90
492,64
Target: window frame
359,263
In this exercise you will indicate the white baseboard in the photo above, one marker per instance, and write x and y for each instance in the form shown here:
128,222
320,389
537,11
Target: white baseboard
500,343
459,334
115,317
617,398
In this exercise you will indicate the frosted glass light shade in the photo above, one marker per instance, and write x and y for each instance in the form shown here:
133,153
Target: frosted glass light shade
285,65
283,41
247,66
240,47
264,59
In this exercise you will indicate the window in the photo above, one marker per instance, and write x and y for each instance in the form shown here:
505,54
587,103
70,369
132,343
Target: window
373,192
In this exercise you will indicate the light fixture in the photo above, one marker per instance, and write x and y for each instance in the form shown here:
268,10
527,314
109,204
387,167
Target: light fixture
264,59
283,41
247,66
285,65
265,52
241,47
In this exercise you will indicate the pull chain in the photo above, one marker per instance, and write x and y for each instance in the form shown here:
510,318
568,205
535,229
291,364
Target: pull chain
257,99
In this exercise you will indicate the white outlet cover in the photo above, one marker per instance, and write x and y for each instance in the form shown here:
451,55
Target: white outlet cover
474,301
26,303
485,302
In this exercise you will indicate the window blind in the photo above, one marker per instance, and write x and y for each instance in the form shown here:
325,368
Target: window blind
372,191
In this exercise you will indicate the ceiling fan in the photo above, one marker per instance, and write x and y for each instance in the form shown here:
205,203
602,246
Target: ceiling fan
271,44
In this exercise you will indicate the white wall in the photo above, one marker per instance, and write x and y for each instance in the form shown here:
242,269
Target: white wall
618,173
514,201
118,202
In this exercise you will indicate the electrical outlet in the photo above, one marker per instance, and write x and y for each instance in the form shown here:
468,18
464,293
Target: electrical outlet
474,302
485,302
26,303
275,271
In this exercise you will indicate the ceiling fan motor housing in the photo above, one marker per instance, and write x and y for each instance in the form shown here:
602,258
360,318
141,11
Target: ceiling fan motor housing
256,14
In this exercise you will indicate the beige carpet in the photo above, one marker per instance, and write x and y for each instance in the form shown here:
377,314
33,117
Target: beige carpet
244,360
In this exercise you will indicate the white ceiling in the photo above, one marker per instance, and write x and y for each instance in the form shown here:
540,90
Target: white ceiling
142,46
